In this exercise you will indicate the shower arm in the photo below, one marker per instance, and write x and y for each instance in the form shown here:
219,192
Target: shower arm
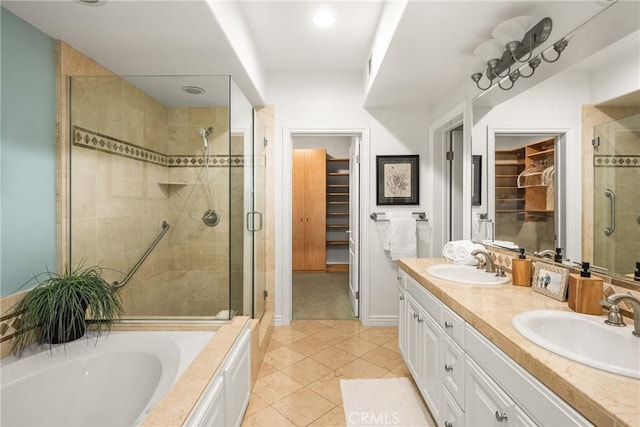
116,284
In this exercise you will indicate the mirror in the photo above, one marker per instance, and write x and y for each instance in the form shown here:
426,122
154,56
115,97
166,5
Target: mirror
596,94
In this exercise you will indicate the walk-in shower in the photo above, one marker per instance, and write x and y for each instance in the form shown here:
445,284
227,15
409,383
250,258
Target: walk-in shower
143,154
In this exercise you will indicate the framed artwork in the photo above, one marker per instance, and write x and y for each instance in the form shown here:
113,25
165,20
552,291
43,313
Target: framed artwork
476,175
397,180
550,280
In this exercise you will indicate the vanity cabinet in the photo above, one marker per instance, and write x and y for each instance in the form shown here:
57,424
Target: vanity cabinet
463,377
225,399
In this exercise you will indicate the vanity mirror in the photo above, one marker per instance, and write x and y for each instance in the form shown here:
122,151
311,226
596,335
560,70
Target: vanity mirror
587,195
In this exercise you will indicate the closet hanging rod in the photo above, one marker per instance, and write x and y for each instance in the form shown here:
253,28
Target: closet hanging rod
421,216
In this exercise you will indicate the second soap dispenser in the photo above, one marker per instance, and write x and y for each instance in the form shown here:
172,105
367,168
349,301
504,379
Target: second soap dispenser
585,292
521,270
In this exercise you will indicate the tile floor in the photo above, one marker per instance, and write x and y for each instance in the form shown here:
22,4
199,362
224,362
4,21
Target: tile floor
299,382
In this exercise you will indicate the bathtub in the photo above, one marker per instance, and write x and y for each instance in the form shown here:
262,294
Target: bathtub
113,380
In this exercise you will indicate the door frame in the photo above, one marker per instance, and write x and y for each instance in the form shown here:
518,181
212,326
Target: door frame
438,134
564,136
284,298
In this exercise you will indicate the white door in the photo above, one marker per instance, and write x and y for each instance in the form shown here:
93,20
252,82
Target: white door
354,225
454,202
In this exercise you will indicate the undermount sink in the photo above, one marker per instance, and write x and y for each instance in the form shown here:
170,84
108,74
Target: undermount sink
466,274
583,338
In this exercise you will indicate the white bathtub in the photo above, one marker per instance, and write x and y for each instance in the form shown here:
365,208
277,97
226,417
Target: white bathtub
114,380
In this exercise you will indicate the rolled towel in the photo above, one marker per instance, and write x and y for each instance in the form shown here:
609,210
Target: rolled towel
449,251
463,254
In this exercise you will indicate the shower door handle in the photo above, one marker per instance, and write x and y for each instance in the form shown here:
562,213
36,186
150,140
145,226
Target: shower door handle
251,224
612,212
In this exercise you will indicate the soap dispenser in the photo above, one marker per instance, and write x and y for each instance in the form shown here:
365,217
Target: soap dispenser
521,270
585,292
558,256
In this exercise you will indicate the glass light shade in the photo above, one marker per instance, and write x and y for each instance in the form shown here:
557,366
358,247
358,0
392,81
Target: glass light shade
491,49
511,30
473,65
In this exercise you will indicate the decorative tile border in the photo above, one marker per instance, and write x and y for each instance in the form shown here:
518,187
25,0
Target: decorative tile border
96,141
8,326
616,161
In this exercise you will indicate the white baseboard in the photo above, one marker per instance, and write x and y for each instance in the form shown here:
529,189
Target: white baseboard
381,321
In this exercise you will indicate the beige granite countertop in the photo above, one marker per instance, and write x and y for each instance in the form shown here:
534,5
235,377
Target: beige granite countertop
178,403
604,398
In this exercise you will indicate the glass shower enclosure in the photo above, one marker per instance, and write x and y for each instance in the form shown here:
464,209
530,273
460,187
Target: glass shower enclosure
616,164
163,194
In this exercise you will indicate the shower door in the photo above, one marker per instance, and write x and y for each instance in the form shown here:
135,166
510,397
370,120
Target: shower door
616,192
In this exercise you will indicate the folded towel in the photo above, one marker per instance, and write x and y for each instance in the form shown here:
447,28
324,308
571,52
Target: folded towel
400,239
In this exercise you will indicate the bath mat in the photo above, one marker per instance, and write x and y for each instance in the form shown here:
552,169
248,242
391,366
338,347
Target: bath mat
383,402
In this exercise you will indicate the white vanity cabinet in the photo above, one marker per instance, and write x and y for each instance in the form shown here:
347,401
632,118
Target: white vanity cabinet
464,378
225,400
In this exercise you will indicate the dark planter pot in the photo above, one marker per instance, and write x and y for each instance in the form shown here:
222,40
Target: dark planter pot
74,329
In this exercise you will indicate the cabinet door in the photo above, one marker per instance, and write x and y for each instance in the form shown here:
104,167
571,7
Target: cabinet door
297,219
315,210
485,402
431,338
309,200
414,341
402,321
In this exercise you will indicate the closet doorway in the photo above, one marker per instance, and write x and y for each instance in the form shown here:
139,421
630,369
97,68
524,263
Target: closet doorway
325,184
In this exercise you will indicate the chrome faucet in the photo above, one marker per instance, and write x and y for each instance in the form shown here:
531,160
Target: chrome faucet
488,262
547,253
615,318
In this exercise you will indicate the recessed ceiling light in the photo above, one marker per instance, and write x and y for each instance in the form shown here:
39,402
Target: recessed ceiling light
193,90
92,2
324,18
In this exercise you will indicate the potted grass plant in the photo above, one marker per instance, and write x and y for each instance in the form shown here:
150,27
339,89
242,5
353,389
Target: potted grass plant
55,310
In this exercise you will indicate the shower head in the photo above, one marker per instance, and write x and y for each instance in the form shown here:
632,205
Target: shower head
205,134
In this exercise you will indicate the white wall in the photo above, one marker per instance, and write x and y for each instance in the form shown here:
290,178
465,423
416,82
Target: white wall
333,101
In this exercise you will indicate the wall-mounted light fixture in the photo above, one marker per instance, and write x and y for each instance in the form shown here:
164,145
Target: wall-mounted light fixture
512,47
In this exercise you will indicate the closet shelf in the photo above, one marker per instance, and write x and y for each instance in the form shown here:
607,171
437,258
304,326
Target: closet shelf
337,242
542,153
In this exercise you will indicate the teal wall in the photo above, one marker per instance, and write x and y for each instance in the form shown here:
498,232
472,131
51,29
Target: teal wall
27,152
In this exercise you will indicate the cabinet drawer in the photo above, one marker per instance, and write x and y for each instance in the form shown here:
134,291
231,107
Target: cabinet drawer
453,325
401,277
430,303
453,367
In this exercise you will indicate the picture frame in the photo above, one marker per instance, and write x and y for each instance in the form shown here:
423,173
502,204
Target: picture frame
476,179
397,180
550,280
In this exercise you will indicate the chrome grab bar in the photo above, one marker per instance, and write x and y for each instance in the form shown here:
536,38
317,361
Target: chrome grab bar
612,212
165,228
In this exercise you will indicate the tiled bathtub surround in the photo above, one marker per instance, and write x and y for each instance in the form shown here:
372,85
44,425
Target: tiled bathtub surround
136,163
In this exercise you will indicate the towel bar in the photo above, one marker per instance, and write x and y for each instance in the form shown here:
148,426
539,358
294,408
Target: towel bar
421,216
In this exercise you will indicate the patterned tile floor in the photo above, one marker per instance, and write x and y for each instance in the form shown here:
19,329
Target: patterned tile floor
299,382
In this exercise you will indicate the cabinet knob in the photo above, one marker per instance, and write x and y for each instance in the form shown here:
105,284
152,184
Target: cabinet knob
401,297
415,315
420,320
448,424
501,416
449,367
448,325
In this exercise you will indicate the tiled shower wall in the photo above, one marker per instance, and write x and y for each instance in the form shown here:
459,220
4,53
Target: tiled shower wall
616,166
136,163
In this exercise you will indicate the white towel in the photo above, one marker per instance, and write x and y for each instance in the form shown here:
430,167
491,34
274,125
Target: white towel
459,252
400,239
463,254
449,251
